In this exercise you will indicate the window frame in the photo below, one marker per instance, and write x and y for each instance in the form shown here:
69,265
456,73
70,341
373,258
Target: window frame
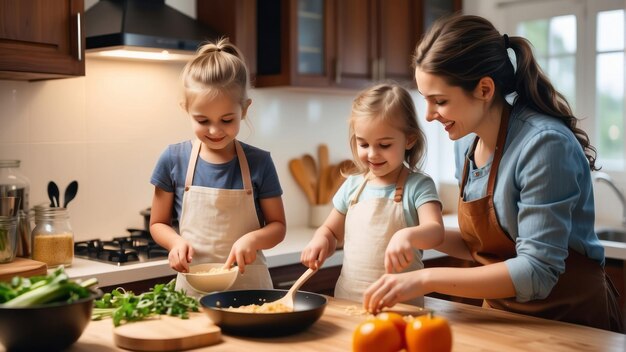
586,16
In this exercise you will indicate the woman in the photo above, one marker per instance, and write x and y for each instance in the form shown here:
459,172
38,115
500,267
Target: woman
526,210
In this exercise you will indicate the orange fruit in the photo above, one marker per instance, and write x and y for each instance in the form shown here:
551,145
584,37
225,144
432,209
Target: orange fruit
376,335
428,333
397,320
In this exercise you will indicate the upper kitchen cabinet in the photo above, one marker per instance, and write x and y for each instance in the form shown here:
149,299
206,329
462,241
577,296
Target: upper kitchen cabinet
325,43
376,38
41,39
285,42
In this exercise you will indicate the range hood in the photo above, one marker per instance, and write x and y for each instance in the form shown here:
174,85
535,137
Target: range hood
142,29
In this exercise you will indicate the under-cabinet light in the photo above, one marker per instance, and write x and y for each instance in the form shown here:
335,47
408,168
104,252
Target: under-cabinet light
142,54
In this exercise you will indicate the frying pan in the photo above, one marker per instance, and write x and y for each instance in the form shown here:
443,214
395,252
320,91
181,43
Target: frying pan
308,307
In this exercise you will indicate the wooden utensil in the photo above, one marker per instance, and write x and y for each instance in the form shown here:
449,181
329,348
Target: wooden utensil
167,333
298,171
311,170
322,184
287,299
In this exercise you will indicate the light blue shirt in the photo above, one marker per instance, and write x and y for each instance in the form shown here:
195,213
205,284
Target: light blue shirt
543,199
418,189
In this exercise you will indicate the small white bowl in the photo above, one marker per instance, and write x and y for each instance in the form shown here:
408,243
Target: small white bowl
201,280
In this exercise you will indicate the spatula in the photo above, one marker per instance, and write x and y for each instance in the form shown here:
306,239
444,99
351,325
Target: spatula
287,300
70,193
53,194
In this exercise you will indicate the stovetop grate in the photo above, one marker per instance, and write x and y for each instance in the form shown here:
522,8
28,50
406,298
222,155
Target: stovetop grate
135,248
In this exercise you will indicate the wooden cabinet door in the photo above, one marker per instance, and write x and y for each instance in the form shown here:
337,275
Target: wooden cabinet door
294,43
356,42
41,39
398,33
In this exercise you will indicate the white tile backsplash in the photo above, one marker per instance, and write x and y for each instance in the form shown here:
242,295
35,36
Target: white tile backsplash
107,129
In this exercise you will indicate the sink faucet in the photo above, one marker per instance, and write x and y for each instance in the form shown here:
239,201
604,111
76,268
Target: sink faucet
604,177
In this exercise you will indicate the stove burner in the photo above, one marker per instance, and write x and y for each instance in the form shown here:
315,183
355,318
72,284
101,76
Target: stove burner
137,247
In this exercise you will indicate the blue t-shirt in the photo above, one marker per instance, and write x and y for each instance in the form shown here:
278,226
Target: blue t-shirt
543,199
418,189
171,169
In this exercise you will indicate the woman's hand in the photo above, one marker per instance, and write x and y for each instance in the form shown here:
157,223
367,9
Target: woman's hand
243,253
393,288
400,252
180,256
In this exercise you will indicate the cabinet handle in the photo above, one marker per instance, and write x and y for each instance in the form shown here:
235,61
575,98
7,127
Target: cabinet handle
337,71
381,69
80,42
375,69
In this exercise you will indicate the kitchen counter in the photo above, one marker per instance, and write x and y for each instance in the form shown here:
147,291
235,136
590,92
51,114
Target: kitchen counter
285,253
473,329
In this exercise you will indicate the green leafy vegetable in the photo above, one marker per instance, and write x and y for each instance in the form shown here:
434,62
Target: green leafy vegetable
38,290
125,306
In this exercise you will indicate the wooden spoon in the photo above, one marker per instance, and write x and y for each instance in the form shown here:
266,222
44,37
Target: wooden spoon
287,300
322,183
311,170
298,171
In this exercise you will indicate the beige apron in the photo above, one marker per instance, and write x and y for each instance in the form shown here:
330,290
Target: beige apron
369,226
212,219
583,294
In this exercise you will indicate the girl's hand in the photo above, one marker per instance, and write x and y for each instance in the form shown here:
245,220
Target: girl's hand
399,253
180,256
391,289
316,252
243,253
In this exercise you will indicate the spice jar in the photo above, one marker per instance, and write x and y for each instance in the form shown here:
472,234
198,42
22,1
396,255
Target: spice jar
52,237
14,184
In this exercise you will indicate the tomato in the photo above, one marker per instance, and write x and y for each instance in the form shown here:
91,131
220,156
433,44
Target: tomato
376,335
398,321
428,333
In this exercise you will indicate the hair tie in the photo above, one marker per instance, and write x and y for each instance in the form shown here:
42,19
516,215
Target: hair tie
506,41
219,50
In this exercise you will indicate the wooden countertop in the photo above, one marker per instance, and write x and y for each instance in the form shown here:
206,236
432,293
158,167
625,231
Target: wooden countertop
473,329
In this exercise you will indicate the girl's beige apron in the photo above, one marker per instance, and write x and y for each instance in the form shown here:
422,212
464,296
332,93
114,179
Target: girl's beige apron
583,294
212,219
369,226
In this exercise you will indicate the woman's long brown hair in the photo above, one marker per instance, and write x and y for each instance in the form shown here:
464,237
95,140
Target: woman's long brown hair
462,49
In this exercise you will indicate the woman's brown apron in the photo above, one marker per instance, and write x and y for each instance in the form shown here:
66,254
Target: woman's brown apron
583,294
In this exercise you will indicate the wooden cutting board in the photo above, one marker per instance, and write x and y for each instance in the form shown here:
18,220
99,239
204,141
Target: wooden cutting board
167,333
22,267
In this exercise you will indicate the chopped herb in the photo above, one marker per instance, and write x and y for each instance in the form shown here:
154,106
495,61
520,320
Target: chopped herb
124,306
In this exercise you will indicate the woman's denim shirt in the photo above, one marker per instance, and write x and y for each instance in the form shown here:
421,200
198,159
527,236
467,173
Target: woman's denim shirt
543,199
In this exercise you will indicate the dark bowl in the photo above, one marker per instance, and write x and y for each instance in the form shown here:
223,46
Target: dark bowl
48,327
308,308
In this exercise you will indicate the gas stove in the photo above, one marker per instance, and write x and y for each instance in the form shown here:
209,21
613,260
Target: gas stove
135,248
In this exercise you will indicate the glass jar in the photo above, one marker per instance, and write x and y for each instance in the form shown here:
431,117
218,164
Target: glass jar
14,184
52,237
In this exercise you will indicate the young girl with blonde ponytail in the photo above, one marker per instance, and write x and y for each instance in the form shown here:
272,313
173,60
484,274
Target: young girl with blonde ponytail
225,194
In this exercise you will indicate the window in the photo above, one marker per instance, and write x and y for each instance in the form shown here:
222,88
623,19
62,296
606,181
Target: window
609,83
580,46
